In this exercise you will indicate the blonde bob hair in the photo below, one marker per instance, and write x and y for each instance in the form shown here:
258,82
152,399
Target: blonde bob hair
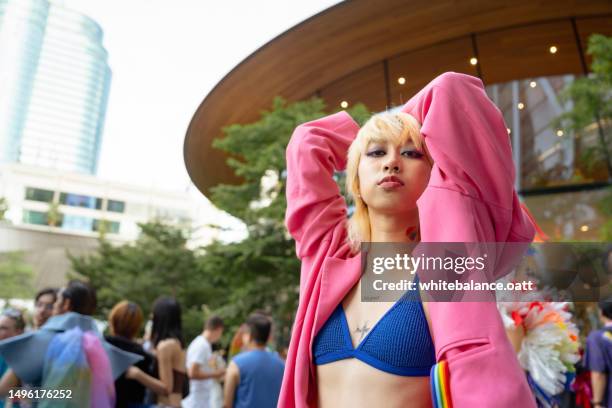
398,128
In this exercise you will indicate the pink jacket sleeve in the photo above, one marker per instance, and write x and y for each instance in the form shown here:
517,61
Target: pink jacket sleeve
471,198
314,203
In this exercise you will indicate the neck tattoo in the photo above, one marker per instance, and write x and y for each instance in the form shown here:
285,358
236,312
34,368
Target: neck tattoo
363,330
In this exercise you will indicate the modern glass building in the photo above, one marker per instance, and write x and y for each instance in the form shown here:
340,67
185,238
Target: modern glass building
54,83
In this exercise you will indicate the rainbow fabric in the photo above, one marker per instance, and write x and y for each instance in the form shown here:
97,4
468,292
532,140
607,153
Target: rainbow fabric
76,361
440,385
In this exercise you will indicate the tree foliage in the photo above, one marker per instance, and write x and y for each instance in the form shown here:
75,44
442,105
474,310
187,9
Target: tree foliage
158,263
591,99
16,275
3,208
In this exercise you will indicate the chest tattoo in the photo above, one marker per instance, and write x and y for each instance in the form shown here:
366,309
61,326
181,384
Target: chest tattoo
363,330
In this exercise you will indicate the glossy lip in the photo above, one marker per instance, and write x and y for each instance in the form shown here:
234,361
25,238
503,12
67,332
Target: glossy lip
391,179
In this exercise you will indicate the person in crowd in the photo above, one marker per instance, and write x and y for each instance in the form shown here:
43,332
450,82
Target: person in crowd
598,357
236,346
218,363
254,377
67,352
199,364
124,322
43,306
11,324
168,347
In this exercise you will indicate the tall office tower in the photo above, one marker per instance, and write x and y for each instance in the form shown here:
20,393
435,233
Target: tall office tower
54,83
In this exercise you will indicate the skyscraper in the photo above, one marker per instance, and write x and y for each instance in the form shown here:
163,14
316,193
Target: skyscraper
54,83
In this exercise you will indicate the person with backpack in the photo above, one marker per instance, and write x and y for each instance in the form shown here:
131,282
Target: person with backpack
66,354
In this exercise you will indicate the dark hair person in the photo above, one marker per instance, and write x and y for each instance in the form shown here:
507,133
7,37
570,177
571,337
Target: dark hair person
167,323
167,340
78,296
254,377
124,322
258,328
43,305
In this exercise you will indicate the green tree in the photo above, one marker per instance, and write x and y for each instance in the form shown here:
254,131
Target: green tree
591,97
605,207
261,272
16,275
3,208
54,217
157,263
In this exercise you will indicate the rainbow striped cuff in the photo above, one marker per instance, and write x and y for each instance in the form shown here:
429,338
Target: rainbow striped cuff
440,386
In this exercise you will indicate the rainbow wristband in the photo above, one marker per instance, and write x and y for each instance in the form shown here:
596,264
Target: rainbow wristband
440,387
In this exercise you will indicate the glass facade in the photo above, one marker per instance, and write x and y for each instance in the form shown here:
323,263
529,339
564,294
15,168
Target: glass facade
35,217
39,194
116,206
53,105
77,200
544,156
573,216
77,223
73,222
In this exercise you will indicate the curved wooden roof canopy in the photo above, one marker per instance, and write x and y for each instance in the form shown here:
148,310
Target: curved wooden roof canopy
357,50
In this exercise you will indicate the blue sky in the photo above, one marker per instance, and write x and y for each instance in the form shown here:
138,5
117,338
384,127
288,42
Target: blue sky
165,57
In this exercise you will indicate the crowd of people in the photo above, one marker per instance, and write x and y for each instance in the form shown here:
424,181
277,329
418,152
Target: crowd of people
65,350
158,369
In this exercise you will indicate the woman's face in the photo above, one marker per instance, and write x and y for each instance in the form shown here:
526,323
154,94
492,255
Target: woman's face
392,177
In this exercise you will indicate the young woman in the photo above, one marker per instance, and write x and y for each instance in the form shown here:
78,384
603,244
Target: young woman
439,171
168,346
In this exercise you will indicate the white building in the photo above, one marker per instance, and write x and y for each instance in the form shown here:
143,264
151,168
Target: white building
41,199
83,205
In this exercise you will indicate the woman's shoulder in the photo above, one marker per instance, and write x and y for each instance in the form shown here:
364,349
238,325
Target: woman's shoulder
169,346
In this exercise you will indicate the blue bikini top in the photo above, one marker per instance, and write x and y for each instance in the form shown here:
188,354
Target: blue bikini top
399,343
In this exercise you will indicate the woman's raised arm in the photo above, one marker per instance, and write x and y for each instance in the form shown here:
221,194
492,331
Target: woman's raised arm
314,203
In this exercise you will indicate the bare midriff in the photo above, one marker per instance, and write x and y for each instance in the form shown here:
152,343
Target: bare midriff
352,383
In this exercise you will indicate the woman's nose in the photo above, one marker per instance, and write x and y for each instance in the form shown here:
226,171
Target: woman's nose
392,164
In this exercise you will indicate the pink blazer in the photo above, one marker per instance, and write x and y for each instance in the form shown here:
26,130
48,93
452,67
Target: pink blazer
470,198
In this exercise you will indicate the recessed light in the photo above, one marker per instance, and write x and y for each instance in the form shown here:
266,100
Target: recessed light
344,104
520,105
401,80
584,228
473,61
559,133
553,49
533,84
